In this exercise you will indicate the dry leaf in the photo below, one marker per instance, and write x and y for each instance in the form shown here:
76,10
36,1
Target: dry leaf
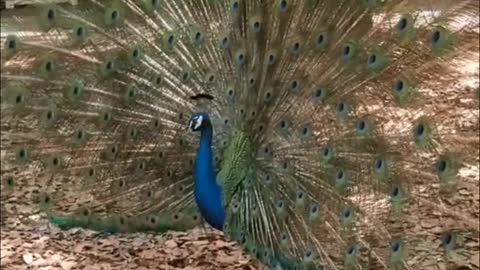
68,265
475,260
28,258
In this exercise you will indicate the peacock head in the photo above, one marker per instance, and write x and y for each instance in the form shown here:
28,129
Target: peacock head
199,121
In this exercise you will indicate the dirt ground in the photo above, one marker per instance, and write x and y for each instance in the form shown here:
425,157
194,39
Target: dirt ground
48,249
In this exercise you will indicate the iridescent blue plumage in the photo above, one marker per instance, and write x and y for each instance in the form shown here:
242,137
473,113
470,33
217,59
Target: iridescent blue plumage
207,192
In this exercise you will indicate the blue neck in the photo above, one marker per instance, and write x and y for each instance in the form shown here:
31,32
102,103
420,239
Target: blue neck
208,194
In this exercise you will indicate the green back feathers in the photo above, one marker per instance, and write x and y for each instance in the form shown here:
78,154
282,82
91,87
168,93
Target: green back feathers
236,165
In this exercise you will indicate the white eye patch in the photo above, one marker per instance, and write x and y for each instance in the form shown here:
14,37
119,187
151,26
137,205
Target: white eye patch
196,122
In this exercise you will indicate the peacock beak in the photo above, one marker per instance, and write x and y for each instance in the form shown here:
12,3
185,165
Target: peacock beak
190,125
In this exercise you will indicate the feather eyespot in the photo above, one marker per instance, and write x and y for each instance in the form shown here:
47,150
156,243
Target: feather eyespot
12,44
51,14
22,153
399,86
378,164
320,39
236,5
442,166
283,5
198,36
80,31
395,192
420,130
402,24
271,59
19,99
351,250
395,246
109,65
241,58
171,39
49,66
114,15
436,36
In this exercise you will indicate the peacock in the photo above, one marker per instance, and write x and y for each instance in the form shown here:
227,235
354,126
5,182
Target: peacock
318,134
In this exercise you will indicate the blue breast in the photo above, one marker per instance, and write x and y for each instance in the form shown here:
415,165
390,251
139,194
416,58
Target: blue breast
208,194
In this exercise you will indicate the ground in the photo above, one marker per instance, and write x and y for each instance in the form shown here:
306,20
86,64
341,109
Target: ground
49,248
